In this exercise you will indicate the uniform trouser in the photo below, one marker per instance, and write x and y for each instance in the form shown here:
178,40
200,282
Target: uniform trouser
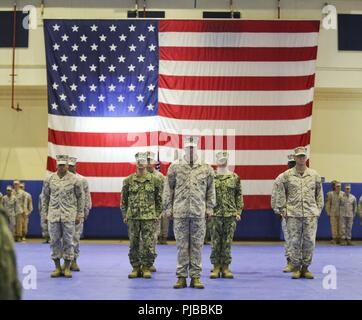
286,239
61,239
302,235
78,229
44,227
335,227
222,233
12,224
26,224
189,235
346,227
162,228
208,230
142,249
20,225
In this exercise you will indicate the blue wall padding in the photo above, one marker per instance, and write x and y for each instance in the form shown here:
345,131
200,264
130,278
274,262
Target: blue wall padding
255,224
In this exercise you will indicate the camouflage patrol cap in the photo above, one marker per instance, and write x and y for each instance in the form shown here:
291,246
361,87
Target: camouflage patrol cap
141,157
62,159
337,184
9,188
190,141
347,186
300,151
72,161
16,182
222,156
291,158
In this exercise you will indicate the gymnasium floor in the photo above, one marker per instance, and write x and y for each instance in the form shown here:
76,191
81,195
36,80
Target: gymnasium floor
256,266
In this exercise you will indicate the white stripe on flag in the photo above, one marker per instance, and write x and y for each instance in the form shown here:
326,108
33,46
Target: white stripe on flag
237,39
171,125
236,98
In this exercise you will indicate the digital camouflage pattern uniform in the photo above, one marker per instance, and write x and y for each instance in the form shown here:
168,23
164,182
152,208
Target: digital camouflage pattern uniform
28,210
333,205
10,288
62,203
229,204
10,206
189,194
20,214
43,224
87,206
141,205
162,226
301,198
347,213
287,247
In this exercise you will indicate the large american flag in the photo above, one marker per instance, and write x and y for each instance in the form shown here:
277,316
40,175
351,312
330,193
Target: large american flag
116,87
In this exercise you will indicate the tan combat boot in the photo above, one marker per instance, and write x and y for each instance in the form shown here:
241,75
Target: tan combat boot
289,267
306,273
153,268
215,272
196,283
135,273
181,283
74,266
296,273
67,272
146,273
58,270
226,273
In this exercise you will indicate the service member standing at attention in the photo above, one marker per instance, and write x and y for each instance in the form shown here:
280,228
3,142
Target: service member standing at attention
10,205
72,163
20,212
63,206
141,206
333,208
43,224
300,201
229,205
189,197
348,212
28,210
291,164
162,227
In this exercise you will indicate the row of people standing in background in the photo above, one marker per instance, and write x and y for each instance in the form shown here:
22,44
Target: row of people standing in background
18,205
342,207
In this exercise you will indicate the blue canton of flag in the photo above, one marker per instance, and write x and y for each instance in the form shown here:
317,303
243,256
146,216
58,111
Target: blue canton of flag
105,68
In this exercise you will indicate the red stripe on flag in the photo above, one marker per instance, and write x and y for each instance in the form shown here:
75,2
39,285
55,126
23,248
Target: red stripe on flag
235,112
236,83
175,140
112,199
237,54
238,26
87,139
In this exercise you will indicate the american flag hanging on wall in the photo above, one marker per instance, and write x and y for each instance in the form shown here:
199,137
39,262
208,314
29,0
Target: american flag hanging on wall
116,87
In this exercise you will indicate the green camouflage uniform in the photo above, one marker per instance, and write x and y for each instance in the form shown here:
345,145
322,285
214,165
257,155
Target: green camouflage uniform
229,203
10,206
347,214
301,197
10,288
189,194
162,226
141,206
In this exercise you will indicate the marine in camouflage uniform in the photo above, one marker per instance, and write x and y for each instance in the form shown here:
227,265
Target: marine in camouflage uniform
189,196
87,206
300,201
229,205
63,206
43,224
347,214
20,212
141,206
9,203
28,210
10,288
289,266
333,208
